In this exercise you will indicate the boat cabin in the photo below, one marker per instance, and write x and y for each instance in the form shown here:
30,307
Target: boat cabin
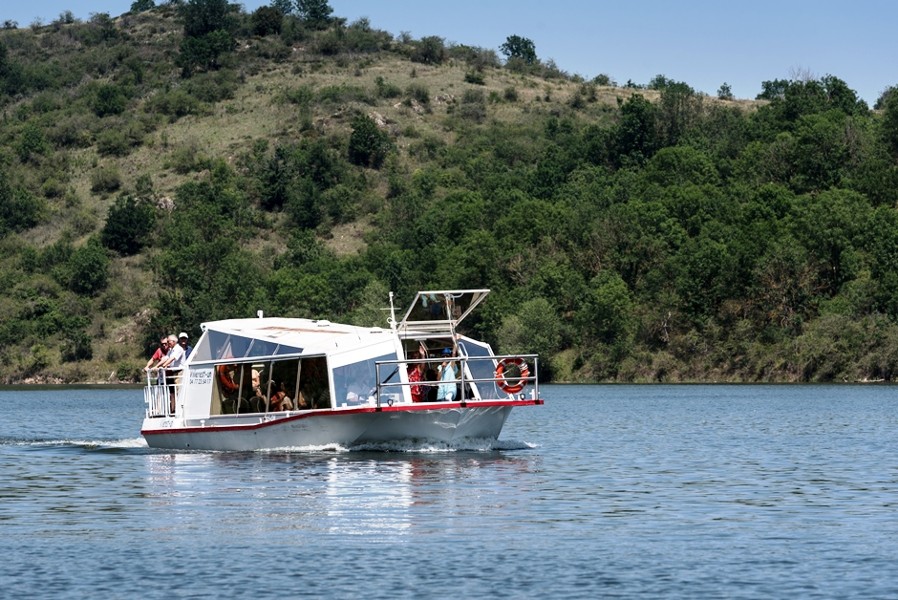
261,366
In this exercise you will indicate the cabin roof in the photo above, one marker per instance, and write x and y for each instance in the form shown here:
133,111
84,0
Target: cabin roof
271,336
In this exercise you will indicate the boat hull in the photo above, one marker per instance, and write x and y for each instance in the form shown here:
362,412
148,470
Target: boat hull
442,423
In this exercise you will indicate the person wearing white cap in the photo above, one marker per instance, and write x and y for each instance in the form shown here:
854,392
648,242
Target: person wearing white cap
182,340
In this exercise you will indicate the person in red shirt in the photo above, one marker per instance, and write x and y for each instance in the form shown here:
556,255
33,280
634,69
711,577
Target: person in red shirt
158,355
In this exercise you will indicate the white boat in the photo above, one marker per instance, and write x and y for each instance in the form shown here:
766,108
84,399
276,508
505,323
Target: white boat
343,384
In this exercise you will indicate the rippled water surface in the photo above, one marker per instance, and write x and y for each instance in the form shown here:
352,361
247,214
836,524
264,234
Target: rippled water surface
606,491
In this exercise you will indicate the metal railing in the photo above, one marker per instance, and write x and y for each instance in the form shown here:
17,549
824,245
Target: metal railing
162,392
468,387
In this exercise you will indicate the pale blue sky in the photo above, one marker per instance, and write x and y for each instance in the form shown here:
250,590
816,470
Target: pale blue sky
701,42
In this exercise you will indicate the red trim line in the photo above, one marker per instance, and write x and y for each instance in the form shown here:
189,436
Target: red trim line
473,405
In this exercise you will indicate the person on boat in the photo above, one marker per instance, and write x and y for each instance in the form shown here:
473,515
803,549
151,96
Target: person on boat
171,367
257,400
448,376
280,400
184,343
416,374
175,355
158,355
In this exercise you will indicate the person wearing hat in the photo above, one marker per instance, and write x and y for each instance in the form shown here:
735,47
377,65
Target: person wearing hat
182,340
448,376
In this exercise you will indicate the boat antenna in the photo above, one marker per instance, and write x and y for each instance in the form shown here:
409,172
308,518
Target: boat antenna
392,318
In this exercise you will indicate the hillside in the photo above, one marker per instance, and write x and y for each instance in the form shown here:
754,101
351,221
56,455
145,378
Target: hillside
154,176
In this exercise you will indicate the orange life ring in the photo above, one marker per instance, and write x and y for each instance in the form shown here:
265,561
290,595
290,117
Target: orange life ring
227,382
523,374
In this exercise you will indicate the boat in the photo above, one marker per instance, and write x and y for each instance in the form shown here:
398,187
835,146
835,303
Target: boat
285,382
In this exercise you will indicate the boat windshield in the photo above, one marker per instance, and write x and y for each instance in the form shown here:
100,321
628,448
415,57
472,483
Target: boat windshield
441,311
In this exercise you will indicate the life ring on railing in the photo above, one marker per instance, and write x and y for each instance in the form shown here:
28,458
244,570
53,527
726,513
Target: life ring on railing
523,373
224,377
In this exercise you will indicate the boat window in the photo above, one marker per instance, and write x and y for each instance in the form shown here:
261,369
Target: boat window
356,383
482,368
211,346
236,347
314,389
262,348
287,350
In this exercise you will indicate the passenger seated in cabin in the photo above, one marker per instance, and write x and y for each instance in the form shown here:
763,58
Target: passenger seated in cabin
313,383
257,401
280,401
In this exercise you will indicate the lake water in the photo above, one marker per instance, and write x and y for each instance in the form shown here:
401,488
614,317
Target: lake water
606,491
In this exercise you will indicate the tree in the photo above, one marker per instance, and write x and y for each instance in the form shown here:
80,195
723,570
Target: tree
430,50
889,123
208,26
314,13
202,17
636,135
518,47
127,225
678,111
142,5
267,20
89,268
286,7
725,92
368,145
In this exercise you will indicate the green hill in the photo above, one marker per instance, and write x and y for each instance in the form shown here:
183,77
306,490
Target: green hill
155,175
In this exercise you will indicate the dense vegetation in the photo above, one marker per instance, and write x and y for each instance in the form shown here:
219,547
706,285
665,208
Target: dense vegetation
188,162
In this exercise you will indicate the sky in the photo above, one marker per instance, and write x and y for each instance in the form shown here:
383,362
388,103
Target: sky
703,43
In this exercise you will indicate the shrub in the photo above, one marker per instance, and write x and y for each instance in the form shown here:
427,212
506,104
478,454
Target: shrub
175,104
187,158
19,210
343,93
32,143
476,77
386,89
108,99
105,179
76,346
113,142
213,87
419,93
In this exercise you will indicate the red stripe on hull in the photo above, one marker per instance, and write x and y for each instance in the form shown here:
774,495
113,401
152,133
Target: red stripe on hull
423,406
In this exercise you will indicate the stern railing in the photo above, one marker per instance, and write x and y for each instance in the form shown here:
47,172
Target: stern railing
162,392
478,386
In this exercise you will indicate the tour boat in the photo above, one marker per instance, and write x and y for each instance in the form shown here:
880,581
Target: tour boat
273,382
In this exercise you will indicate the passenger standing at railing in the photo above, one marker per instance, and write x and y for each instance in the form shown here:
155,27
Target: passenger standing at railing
448,376
184,343
158,355
416,374
171,366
